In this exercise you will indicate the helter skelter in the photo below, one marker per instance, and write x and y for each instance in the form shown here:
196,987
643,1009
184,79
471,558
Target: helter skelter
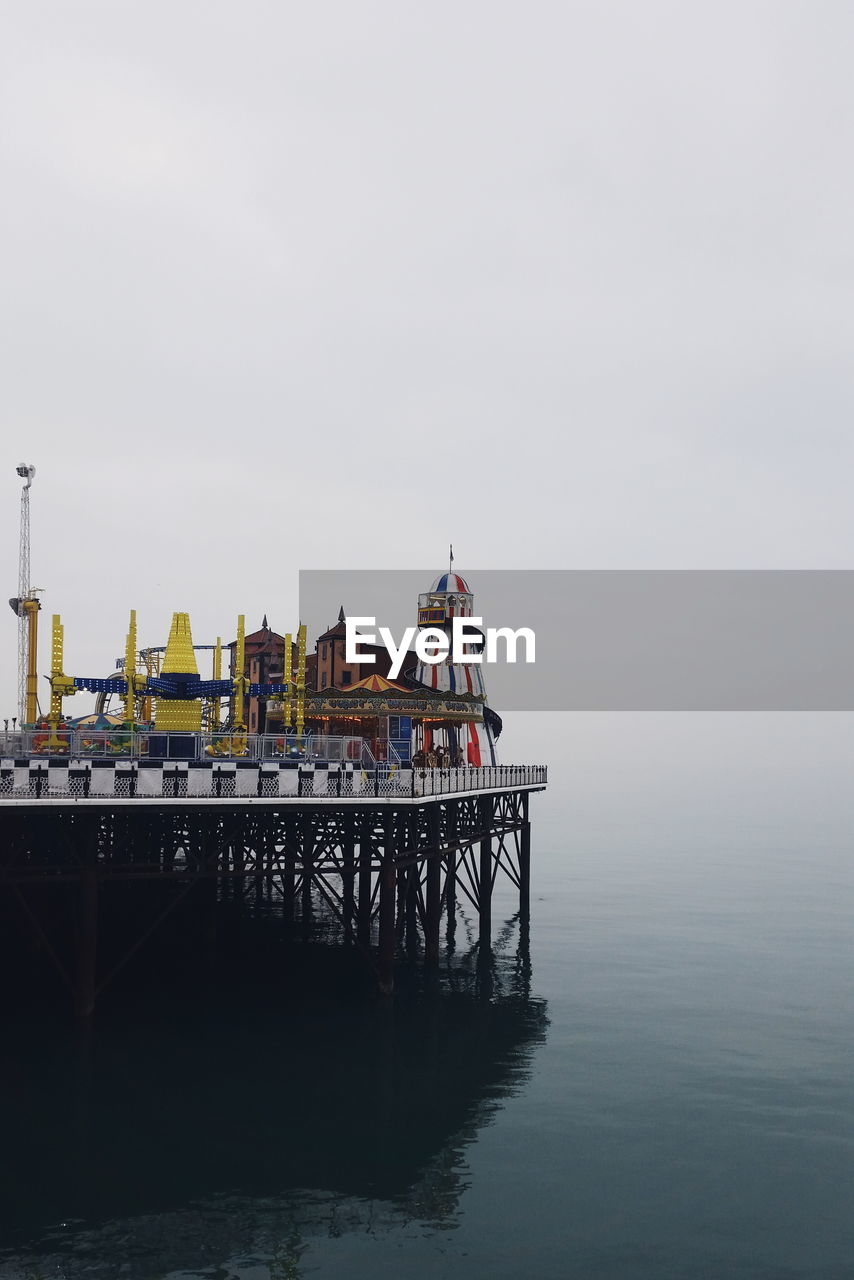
473,742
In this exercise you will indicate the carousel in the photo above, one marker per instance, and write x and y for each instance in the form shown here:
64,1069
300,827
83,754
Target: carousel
399,722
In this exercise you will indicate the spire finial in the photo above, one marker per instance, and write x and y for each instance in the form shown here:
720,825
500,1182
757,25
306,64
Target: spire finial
450,557
265,626
341,617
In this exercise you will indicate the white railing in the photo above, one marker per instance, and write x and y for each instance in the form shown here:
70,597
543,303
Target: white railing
386,753
128,779
435,782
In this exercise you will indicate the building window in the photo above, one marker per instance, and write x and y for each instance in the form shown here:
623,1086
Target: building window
324,680
346,677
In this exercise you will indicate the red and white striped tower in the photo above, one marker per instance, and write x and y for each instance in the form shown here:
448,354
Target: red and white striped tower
450,597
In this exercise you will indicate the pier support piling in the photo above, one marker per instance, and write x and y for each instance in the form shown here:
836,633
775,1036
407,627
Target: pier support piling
307,851
525,863
485,823
388,897
348,876
450,860
363,923
433,905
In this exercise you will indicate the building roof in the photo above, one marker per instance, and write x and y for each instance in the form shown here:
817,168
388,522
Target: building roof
451,582
338,630
333,633
260,639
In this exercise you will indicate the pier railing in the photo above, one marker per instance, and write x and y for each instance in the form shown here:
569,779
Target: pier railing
246,780
435,782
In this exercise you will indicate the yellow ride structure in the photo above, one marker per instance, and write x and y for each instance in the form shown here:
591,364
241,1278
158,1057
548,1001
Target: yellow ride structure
172,714
30,611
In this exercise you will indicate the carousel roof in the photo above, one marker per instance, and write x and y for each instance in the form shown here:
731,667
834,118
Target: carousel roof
375,684
95,720
451,582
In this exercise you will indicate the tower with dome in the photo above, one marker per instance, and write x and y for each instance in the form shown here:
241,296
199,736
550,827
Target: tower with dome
472,742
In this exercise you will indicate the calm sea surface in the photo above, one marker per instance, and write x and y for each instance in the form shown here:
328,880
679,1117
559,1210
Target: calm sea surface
661,1085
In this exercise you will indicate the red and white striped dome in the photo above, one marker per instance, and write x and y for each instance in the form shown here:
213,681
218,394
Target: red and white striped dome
451,582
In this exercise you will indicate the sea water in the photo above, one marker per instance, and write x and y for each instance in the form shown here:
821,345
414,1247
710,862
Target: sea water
657,1082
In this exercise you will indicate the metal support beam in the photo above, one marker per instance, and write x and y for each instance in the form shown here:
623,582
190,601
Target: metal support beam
363,924
485,821
452,819
525,863
412,880
348,875
388,895
307,850
289,877
434,893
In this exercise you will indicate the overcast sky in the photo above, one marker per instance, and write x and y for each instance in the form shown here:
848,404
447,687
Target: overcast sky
327,285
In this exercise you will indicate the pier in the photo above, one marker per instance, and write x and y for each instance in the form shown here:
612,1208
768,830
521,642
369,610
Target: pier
309,781
104,851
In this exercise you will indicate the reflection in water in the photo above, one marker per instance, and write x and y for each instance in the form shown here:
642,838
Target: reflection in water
238,1124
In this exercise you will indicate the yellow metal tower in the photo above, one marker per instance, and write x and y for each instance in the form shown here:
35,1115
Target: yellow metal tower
61,686
300,682
152,669
213,705
130,667
173,714
287,677
30,610
241,683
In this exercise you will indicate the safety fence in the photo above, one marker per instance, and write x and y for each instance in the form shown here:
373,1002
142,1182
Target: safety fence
245,780
234,744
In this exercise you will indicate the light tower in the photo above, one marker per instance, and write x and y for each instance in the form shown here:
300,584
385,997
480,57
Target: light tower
26,606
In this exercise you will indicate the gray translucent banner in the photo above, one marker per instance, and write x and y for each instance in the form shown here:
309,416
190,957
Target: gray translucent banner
728,640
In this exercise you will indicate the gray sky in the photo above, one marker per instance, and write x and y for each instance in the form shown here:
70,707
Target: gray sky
291,286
